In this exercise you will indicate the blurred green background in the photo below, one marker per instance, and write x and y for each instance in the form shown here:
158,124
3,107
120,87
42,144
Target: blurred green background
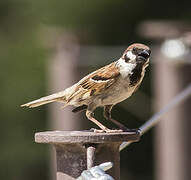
23,60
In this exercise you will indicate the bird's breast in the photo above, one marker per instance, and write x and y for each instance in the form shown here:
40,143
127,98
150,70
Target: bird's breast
117,93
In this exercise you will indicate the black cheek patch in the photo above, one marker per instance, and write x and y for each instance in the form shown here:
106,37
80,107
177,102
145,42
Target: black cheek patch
136,75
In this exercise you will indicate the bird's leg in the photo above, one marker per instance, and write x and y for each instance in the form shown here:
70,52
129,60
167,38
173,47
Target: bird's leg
90,116
107,115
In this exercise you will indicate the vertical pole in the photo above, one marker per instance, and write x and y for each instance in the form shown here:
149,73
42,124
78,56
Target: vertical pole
169,135
172,134
62,72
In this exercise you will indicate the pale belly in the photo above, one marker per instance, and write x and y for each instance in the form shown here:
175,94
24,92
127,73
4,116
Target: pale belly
115,94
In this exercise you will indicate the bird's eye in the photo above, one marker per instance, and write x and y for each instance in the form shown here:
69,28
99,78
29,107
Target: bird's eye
126,58
134,50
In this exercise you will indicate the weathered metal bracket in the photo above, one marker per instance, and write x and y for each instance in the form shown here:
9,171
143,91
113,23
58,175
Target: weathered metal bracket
80,150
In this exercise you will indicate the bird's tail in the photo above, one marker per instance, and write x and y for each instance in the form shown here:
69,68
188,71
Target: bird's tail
60,96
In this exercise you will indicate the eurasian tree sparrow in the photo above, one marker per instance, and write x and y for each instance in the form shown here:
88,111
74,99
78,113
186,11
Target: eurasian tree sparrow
105,87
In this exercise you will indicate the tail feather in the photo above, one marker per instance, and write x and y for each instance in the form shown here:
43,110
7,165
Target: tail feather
45,100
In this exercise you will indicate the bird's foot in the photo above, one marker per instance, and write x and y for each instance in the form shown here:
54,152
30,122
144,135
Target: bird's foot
114,131
136,131
106,130
97,130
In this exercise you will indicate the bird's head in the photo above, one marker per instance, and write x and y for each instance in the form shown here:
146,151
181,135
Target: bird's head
137,54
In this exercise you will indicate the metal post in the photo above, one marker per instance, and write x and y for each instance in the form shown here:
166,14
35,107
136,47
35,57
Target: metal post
78,150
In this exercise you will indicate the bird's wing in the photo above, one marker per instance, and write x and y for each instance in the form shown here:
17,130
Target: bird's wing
96,82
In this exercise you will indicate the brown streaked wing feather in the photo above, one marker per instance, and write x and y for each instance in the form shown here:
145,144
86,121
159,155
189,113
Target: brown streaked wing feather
104,76
105,73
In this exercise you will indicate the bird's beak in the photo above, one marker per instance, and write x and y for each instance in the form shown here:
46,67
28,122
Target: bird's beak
143,55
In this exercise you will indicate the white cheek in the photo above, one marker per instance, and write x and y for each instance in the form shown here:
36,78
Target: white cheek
131,56
125,68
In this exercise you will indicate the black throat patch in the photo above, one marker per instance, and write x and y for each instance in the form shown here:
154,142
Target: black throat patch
136,75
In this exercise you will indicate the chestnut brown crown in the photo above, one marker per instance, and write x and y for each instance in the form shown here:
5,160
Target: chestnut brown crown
141,51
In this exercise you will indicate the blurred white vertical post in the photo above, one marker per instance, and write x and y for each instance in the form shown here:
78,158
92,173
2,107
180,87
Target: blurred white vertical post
171,139
62,72
169,134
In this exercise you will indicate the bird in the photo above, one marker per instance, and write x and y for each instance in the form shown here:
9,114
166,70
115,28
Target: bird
104,87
